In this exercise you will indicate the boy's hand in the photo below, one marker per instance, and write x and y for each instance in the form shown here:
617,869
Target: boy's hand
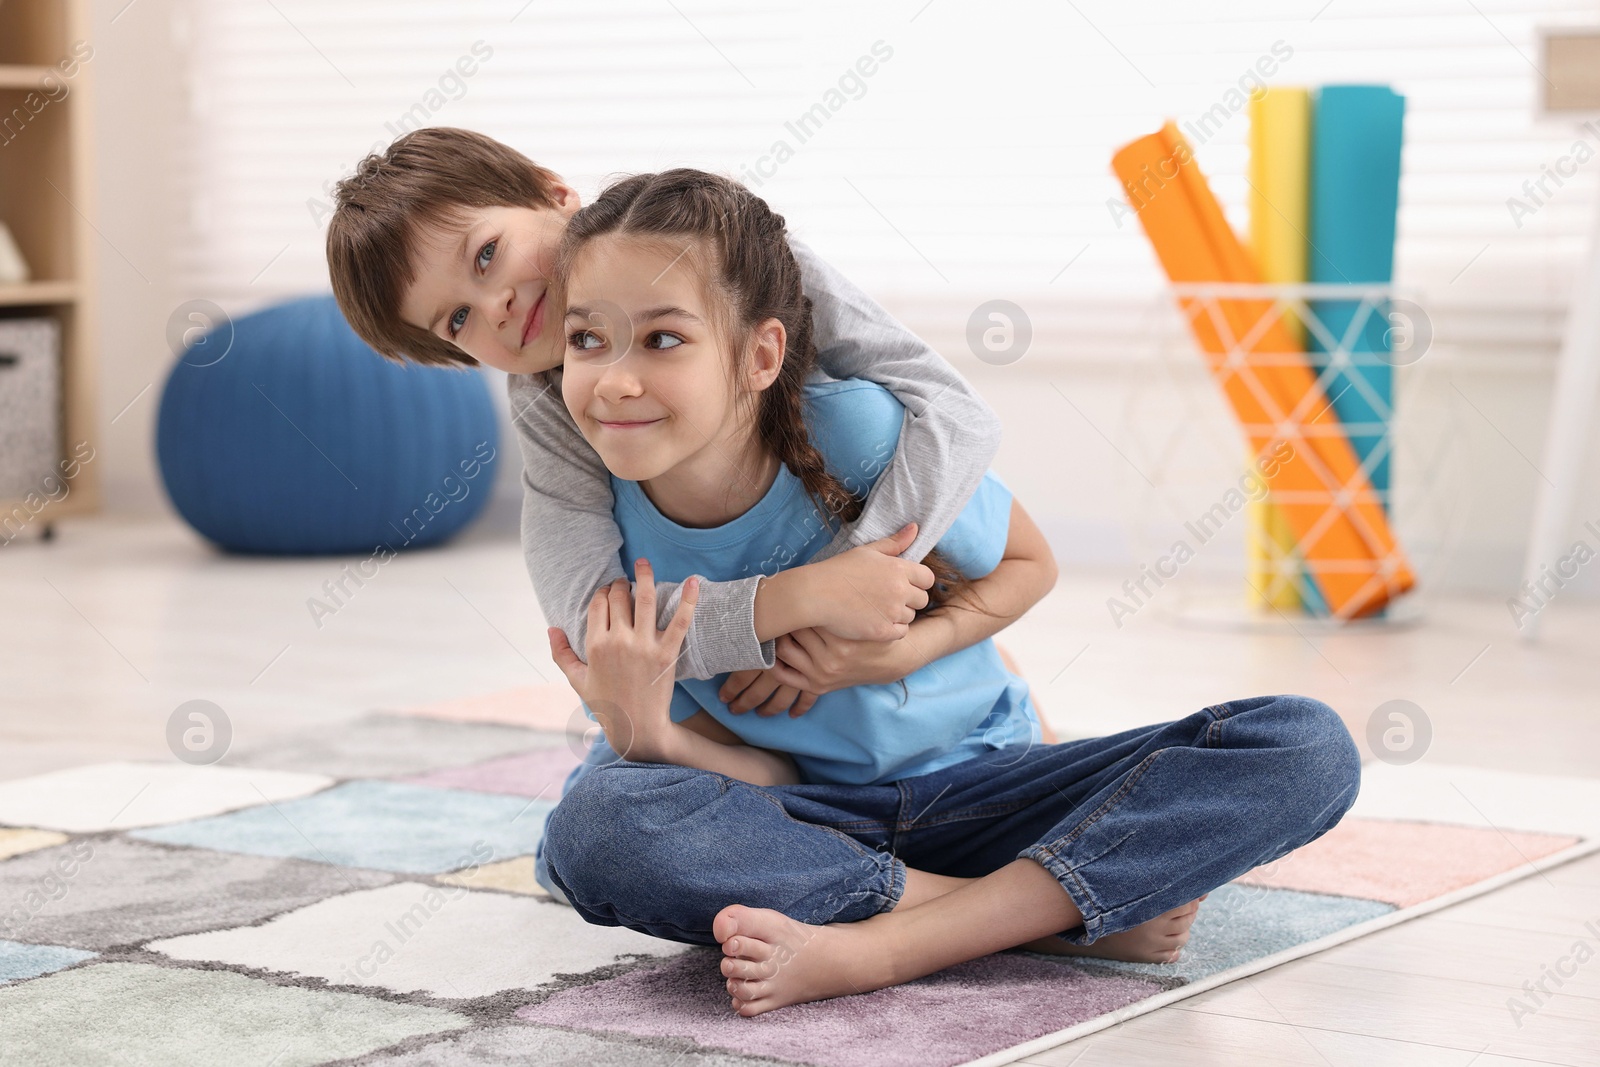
869,593
765,691
811,662
628,680
821,662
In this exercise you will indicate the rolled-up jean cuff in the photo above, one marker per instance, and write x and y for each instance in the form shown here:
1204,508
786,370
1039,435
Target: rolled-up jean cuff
1077,892
865,903
541,874
885,884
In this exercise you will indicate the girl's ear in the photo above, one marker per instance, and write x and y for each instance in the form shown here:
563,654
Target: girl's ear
770,341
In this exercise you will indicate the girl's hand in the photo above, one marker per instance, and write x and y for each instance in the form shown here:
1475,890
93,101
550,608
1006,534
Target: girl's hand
628,680
869,593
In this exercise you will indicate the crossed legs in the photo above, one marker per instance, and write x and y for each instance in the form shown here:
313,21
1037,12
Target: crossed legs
1101,847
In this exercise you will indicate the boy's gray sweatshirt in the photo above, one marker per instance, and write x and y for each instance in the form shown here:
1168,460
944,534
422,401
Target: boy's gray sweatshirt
571,542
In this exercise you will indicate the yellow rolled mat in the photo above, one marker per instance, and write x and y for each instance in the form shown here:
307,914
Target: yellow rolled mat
1280,163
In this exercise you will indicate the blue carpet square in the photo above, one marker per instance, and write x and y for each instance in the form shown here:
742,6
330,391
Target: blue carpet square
18,961
1241,923
386,826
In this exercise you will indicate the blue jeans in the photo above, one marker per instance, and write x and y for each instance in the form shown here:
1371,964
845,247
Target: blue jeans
1131,825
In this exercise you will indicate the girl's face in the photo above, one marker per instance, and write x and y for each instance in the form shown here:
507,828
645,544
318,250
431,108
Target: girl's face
647,375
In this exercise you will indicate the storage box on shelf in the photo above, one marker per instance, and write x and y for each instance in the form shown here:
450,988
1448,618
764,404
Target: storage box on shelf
45,195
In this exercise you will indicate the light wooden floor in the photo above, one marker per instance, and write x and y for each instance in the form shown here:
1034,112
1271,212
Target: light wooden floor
109,628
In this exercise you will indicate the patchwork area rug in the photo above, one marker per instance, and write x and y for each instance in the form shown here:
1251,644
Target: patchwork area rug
365,895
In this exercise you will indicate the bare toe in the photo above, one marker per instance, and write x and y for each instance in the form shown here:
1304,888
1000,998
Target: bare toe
749,1008
726,924
748,969
748,948
747,991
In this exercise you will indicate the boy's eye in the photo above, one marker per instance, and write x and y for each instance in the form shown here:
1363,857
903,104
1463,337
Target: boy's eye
584,341
453,326
662,339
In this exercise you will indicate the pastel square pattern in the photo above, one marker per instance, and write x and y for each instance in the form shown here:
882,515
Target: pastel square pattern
1239,923
382,746
160,914
138,1013
387,826
552,706
1404,863
16,842
1023,997
540,773
443,941
520,1046
119,796
101,893
19,961
509,876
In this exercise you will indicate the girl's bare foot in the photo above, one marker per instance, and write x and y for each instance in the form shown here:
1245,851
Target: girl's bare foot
772,961
1160,940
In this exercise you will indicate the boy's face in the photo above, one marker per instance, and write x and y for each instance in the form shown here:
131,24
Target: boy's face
482,286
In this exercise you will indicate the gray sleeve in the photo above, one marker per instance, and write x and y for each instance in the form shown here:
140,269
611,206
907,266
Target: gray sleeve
571,543
949,437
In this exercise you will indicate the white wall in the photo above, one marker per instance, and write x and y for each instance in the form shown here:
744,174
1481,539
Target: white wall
138,70
973,170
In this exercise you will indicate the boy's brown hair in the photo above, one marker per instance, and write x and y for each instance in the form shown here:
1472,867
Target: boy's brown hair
427,176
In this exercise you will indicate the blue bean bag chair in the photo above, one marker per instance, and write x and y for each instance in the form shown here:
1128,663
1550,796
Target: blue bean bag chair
282,432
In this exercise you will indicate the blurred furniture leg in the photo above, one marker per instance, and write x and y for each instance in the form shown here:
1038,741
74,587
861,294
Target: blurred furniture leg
1571,88
1573,410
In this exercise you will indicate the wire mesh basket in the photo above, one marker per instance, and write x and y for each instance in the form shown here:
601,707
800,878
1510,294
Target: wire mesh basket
1216,408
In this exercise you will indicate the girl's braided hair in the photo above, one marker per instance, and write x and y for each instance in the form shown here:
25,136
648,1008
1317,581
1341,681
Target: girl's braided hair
742,249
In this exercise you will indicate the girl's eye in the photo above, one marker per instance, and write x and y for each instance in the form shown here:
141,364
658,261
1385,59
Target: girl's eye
584,341
662,339
489,248
453,326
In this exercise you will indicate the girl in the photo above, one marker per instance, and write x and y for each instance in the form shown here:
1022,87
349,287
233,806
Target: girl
893,830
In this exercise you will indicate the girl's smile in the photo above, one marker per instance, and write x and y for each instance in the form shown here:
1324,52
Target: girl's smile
637,424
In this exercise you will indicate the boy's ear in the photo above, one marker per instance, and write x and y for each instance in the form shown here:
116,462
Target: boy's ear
770,341
566,198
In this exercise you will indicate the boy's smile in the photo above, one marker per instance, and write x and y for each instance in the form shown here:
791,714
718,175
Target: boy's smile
481,284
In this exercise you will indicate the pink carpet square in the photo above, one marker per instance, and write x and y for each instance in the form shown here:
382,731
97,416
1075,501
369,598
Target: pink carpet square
1403,863
551,706
951,1017
540,773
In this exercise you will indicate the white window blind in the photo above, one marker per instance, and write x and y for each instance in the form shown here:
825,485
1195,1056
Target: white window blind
972,162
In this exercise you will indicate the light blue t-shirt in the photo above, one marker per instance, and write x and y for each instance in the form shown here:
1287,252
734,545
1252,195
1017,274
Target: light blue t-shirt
955,708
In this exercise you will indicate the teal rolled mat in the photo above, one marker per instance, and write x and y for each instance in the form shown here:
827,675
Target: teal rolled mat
1355,195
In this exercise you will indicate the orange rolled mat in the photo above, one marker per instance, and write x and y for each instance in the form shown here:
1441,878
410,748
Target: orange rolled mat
1342,532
